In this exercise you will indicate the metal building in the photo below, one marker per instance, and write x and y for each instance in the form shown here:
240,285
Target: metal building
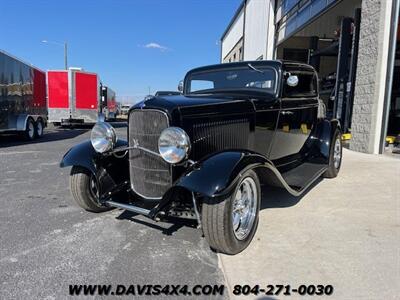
247,36
353,44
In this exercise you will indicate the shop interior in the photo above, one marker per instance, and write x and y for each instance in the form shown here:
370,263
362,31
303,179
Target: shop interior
392,141
330,44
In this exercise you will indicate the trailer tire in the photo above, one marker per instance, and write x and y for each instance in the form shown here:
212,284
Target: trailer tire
29,133
81,185
39,128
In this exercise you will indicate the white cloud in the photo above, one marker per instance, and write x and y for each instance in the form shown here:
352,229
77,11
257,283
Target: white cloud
153,45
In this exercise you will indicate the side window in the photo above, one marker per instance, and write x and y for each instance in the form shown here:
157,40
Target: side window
306,87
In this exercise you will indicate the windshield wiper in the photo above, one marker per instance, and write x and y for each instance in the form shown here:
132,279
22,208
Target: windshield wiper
255,69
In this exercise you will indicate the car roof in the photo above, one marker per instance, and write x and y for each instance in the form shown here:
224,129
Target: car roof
256,63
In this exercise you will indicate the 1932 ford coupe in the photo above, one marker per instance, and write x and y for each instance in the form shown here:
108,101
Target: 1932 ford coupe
204,153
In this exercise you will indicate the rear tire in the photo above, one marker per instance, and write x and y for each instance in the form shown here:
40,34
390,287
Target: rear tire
335,156
229,225
29,133
39,128
83,187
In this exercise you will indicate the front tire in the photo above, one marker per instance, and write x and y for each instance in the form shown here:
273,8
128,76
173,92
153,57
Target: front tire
84,190
335,156
229,225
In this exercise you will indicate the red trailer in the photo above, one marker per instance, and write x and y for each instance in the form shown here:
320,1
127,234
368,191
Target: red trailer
22,97
73,97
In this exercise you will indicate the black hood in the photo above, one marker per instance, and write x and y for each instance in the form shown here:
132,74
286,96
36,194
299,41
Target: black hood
193,105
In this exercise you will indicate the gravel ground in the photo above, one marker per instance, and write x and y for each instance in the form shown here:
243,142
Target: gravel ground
47,242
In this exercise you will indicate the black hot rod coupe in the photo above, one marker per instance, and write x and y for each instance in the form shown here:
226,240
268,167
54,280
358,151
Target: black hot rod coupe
204,153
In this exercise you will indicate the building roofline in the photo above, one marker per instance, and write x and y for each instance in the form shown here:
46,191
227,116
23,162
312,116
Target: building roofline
234,18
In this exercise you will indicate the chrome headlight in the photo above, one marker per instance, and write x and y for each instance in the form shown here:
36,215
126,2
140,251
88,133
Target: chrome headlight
174,145
103,137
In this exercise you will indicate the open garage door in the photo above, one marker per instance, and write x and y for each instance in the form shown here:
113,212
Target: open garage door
329,42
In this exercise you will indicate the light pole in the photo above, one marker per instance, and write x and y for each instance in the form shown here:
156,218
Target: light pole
65,50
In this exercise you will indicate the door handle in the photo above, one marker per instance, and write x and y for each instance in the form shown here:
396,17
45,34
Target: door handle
287,112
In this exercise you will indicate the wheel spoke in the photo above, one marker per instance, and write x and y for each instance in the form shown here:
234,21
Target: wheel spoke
236,221
337,153
244,208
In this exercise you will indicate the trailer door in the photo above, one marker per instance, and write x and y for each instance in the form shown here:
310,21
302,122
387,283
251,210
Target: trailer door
58,96
86,105
39,91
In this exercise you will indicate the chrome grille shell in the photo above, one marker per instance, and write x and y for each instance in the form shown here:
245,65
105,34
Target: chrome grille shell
150,175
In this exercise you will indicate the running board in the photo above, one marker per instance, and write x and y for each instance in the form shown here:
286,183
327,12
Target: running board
132,208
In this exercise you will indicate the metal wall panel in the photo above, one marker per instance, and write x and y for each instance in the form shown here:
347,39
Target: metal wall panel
256,29
233,36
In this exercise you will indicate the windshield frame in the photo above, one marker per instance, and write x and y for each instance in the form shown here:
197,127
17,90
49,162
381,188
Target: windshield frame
243,90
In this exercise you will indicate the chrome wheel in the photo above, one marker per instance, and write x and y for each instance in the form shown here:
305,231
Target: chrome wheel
244,208
337,153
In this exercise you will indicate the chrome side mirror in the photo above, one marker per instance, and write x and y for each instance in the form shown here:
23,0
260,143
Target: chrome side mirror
180,86
292,80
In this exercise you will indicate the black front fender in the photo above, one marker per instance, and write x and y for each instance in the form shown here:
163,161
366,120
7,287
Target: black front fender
85,156
109,170
82,155
218,174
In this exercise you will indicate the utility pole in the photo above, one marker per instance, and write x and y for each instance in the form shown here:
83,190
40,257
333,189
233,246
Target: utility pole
65,50
65,56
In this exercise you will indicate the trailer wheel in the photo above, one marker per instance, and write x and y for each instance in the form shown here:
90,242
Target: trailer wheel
39,128
29,133
84,190
229,224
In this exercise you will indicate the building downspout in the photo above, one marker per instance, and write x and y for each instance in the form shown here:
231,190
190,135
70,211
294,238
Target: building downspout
271,6
244,27
275,50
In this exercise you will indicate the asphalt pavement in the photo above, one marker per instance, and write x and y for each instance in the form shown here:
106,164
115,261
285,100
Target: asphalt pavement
48,242
343,232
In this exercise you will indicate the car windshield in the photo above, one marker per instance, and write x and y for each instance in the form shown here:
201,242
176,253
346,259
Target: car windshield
243,79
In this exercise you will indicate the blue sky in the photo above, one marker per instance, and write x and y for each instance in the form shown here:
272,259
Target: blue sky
131,44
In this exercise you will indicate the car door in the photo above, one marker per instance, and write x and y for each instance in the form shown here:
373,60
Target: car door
266,116
297,115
